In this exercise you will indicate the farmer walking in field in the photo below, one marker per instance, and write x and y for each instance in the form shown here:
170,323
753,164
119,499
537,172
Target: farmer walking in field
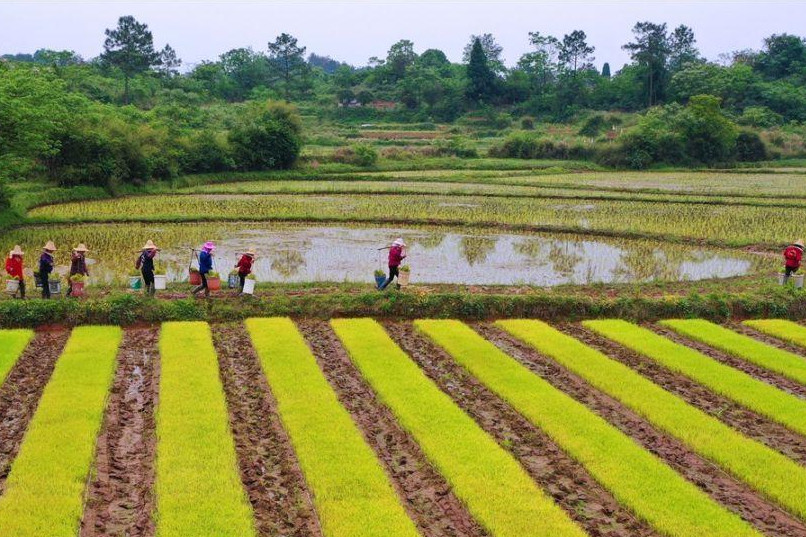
14,268
78,266
205,267
244,267
145,263
397,253
792,258
46,267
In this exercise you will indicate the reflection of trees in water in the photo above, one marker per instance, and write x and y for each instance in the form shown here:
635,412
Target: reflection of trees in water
287,263
426,241
641,262
476,249
531,248
563,257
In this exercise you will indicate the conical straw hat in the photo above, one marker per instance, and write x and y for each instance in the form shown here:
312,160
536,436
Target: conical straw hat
250,252
16,251
150,245
80,248
50,247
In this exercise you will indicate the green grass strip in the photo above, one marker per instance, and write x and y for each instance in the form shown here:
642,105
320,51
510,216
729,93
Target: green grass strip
12,343
45,489
488,480
352,494
787,364
647,486
785,330
199,491
779,478
765,399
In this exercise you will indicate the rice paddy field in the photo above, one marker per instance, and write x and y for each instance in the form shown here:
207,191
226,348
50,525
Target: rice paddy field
577,353
362,427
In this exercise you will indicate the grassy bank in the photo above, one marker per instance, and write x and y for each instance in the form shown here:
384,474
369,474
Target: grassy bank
127,309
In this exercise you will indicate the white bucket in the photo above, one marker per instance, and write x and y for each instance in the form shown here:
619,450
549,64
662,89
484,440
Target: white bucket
798,281
781,278
160,282
12,286
403,278
249,287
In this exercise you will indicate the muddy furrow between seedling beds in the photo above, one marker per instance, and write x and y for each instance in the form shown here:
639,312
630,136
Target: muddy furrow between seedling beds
428,498
21,391
731,413
736,496
568,483
120,497
765,375
268,466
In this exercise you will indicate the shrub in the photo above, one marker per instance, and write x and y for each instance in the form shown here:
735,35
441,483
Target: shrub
759,116
527,123
207,152
593,126
264,146
750,147
529,146
365,155
456,146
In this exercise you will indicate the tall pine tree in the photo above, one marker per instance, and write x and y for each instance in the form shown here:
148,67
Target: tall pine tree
482,83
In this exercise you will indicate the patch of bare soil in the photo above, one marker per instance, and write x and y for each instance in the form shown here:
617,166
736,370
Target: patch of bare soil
568,483
770,377
21,391
734,495
120,498
427,497
268,466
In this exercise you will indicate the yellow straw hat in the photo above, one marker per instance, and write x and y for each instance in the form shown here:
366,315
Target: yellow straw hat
80,248
250,252
150,245
799,242
16,251
50,247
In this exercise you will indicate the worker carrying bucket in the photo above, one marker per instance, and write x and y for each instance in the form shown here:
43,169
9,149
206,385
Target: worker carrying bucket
793,254
397,253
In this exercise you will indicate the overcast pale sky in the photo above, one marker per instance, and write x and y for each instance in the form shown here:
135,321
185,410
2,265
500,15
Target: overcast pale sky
354,31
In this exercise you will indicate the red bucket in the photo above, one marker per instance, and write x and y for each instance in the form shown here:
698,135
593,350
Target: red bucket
194,277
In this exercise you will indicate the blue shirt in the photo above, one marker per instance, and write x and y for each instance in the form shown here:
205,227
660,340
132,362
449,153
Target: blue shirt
205,262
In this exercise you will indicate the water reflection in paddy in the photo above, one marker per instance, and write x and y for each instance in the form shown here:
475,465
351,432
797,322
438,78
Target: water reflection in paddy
297,253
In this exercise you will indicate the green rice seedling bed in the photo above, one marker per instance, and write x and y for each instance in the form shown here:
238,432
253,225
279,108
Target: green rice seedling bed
774,475
495,489
352,495
786,363
199,492
646,485
45,489
12,343
756,395
782,329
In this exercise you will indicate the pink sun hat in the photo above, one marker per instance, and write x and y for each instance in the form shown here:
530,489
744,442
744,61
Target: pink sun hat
209,246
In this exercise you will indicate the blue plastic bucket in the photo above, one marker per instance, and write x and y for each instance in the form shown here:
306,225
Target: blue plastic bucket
379,280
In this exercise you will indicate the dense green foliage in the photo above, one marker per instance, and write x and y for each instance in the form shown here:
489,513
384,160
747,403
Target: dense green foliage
63,116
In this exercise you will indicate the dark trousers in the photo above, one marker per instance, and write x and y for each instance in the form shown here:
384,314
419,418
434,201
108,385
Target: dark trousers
788,271
393,273
242,281
45,288
148,281
20,290
203,285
